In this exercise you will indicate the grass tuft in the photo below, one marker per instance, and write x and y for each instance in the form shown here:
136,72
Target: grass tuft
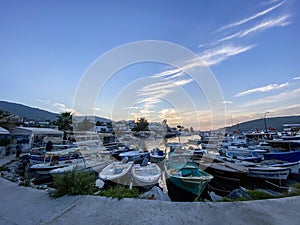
120,192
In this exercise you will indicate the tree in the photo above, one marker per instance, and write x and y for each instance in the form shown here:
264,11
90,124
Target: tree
85,125
5,119
64,122
109,125
141,125
191,129
100,123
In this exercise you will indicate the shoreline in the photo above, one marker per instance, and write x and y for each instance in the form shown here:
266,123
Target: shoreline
25,205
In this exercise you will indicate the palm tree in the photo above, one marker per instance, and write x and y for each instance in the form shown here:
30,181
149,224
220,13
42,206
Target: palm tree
64,122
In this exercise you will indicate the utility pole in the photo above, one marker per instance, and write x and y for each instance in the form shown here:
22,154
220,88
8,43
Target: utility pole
265,120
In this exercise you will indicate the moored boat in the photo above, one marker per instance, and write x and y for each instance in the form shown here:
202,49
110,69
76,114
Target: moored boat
44,168
54,163
290,156
65,155
146,175
227,176
251,157
293,166
137,156
117,172
273,174
92,161
157,155
185,180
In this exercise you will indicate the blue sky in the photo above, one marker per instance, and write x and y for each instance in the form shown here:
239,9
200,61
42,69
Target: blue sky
251,47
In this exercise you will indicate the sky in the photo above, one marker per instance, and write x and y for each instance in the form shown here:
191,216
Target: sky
250,48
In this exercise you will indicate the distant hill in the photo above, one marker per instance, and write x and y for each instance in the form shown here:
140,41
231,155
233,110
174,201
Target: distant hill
43,115
38,114
92,118
27,112
273,122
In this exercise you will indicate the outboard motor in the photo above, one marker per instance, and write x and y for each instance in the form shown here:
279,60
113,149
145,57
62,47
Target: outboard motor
145,162
124,160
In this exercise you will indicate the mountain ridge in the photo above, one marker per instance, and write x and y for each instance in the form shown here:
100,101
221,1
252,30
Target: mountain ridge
33,113
37,114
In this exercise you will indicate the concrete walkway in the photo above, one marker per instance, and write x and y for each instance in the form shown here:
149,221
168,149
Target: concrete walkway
24,205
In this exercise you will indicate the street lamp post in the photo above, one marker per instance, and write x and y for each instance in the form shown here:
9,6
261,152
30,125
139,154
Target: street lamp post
265,120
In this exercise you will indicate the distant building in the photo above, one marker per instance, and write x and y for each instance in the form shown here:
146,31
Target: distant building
33,136
103,129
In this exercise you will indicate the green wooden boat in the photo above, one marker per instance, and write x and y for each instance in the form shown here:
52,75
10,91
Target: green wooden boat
185,177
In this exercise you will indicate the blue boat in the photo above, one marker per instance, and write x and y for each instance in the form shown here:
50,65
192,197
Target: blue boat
249,156
292,156
185,181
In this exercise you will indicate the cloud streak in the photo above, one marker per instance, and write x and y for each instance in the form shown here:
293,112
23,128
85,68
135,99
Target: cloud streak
245,20
266,88
219,54
267,24
282,97
64,108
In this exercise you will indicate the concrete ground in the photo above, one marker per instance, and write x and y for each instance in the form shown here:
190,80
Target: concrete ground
24,205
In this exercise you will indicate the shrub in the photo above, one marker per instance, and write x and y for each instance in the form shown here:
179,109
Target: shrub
4,168
259,195
120,192
73,183
295,190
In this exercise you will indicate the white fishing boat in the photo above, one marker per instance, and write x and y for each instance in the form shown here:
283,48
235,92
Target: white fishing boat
64,155
93,160
117,172
272,173
146,175
54,163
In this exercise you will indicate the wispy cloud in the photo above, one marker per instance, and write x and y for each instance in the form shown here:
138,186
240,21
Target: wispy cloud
296,78
153,93
63,107
227,102
45,101
247,19
286,96
266,88
287,110
267,24
219,54
131,107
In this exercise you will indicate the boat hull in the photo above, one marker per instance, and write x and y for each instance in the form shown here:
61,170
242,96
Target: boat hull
275,174
156,159
117,173
185,187
44,169
227,176
284,156
146,176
